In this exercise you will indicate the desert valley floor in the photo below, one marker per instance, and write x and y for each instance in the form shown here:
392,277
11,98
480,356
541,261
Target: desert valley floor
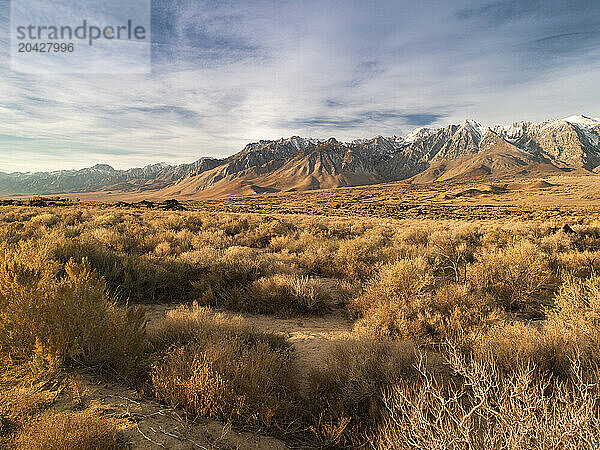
330,318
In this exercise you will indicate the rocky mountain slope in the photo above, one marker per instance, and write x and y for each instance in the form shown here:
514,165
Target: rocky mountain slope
466,150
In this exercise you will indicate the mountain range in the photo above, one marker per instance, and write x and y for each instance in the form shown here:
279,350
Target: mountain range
456,152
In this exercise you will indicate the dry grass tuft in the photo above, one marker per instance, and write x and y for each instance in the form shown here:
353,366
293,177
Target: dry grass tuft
287,295
67,431
346,392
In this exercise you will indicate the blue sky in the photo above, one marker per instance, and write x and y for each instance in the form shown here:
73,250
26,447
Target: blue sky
225,73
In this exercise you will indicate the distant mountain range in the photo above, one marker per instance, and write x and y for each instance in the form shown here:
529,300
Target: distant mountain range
464,151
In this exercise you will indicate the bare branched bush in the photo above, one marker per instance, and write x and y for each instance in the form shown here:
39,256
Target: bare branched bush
488,409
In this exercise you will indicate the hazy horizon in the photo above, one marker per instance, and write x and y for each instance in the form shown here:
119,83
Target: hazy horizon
125,167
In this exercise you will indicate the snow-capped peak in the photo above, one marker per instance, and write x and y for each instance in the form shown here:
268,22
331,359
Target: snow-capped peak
581,120
476,128
156,166
417,133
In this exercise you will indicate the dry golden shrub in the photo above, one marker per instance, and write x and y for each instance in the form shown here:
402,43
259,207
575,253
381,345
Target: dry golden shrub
393,302
573,323
246,279
48,317
358,257
20,403
133,277
210,238
45,220
222,368
73,217
571,332
405,300
68,431
170,222
457,312
348,389
579,264
450,250
559,242
514,346
315,254
261,236
515,276
107,220
404,279
416,235
183,325
224,281
162,249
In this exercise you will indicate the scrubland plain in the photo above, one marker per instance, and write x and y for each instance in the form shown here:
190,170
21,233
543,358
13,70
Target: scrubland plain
127,327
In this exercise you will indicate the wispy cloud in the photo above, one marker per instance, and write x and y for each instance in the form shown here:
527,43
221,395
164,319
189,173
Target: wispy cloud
379,118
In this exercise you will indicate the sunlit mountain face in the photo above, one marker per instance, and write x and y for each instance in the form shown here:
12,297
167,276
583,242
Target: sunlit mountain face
295,164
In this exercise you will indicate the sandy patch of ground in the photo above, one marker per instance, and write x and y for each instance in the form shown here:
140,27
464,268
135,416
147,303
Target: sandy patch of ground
148,425
311,336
